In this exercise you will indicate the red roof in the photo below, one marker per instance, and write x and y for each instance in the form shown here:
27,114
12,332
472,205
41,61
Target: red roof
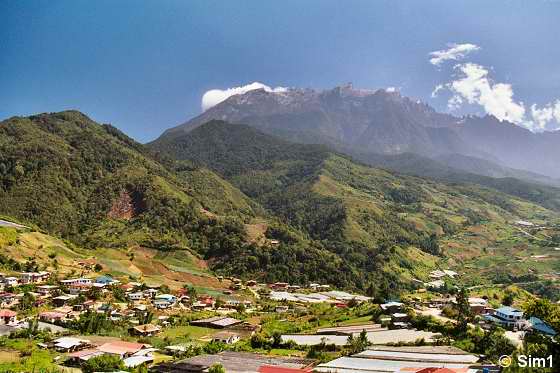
280,369
121,347
7,313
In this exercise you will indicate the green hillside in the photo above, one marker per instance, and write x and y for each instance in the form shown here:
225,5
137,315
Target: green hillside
92,184
222,195
384,227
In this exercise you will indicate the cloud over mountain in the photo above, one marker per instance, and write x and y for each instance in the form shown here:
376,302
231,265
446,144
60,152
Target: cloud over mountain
472,84
455,52
215,96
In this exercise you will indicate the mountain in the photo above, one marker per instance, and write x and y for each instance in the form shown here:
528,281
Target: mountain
381,122
92,184
384,225
255,206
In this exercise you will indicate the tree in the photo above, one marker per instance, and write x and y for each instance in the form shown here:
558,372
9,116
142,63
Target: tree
464,313
216,368
103,363
27,301
359,343
508,299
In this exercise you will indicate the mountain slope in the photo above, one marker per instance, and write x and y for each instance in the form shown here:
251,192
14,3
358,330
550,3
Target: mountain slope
391,228
381,122
92,184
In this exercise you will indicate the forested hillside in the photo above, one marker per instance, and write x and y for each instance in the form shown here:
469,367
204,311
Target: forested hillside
377,221
226,193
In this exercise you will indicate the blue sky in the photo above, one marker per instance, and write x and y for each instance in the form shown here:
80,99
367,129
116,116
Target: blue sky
144,65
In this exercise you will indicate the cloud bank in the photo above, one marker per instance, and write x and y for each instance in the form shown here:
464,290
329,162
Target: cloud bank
455,52
472,84
215,96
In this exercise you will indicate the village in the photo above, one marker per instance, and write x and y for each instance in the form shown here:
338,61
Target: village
81,322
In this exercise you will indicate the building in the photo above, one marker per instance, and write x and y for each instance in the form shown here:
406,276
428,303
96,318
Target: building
10,281
135,296
146,330
106,280
281,369
76,281
51,316
34,277
6,299
217,322
233,362
392,307
7,317
45,290
541,327
70,344
508,317
164,301
391,359
226,337
122,348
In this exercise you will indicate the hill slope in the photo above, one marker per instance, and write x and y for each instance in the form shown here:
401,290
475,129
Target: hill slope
94,185
377,121
376,221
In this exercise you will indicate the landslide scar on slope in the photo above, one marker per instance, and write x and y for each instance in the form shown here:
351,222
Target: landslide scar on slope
128,205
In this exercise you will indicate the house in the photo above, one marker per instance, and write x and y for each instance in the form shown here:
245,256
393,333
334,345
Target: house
76,281
392,306
540,326
62,300
233,362
207,300
33,277
6,299
282,309
10,281
122,348
281,369
508,317
76,289
70,344
479,306
51,316
410,359
7,317
218,322
150,293
280,285
226,337
106,280
135,361
135,296
164,301
45,290
146,330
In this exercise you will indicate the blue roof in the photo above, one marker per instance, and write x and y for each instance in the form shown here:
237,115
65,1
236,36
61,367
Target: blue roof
541,326
104,278
506,310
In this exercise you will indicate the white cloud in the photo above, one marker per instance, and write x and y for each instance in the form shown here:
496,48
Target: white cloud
391,89
436,90
215,96
542,118
455,52
475,87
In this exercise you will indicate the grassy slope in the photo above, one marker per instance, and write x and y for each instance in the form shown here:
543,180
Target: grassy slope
340,203
174,268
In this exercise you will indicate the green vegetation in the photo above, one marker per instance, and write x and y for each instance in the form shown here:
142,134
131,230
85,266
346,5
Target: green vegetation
329,212
222,193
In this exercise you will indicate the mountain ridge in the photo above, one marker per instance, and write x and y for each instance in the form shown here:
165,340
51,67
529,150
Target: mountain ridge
382,122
